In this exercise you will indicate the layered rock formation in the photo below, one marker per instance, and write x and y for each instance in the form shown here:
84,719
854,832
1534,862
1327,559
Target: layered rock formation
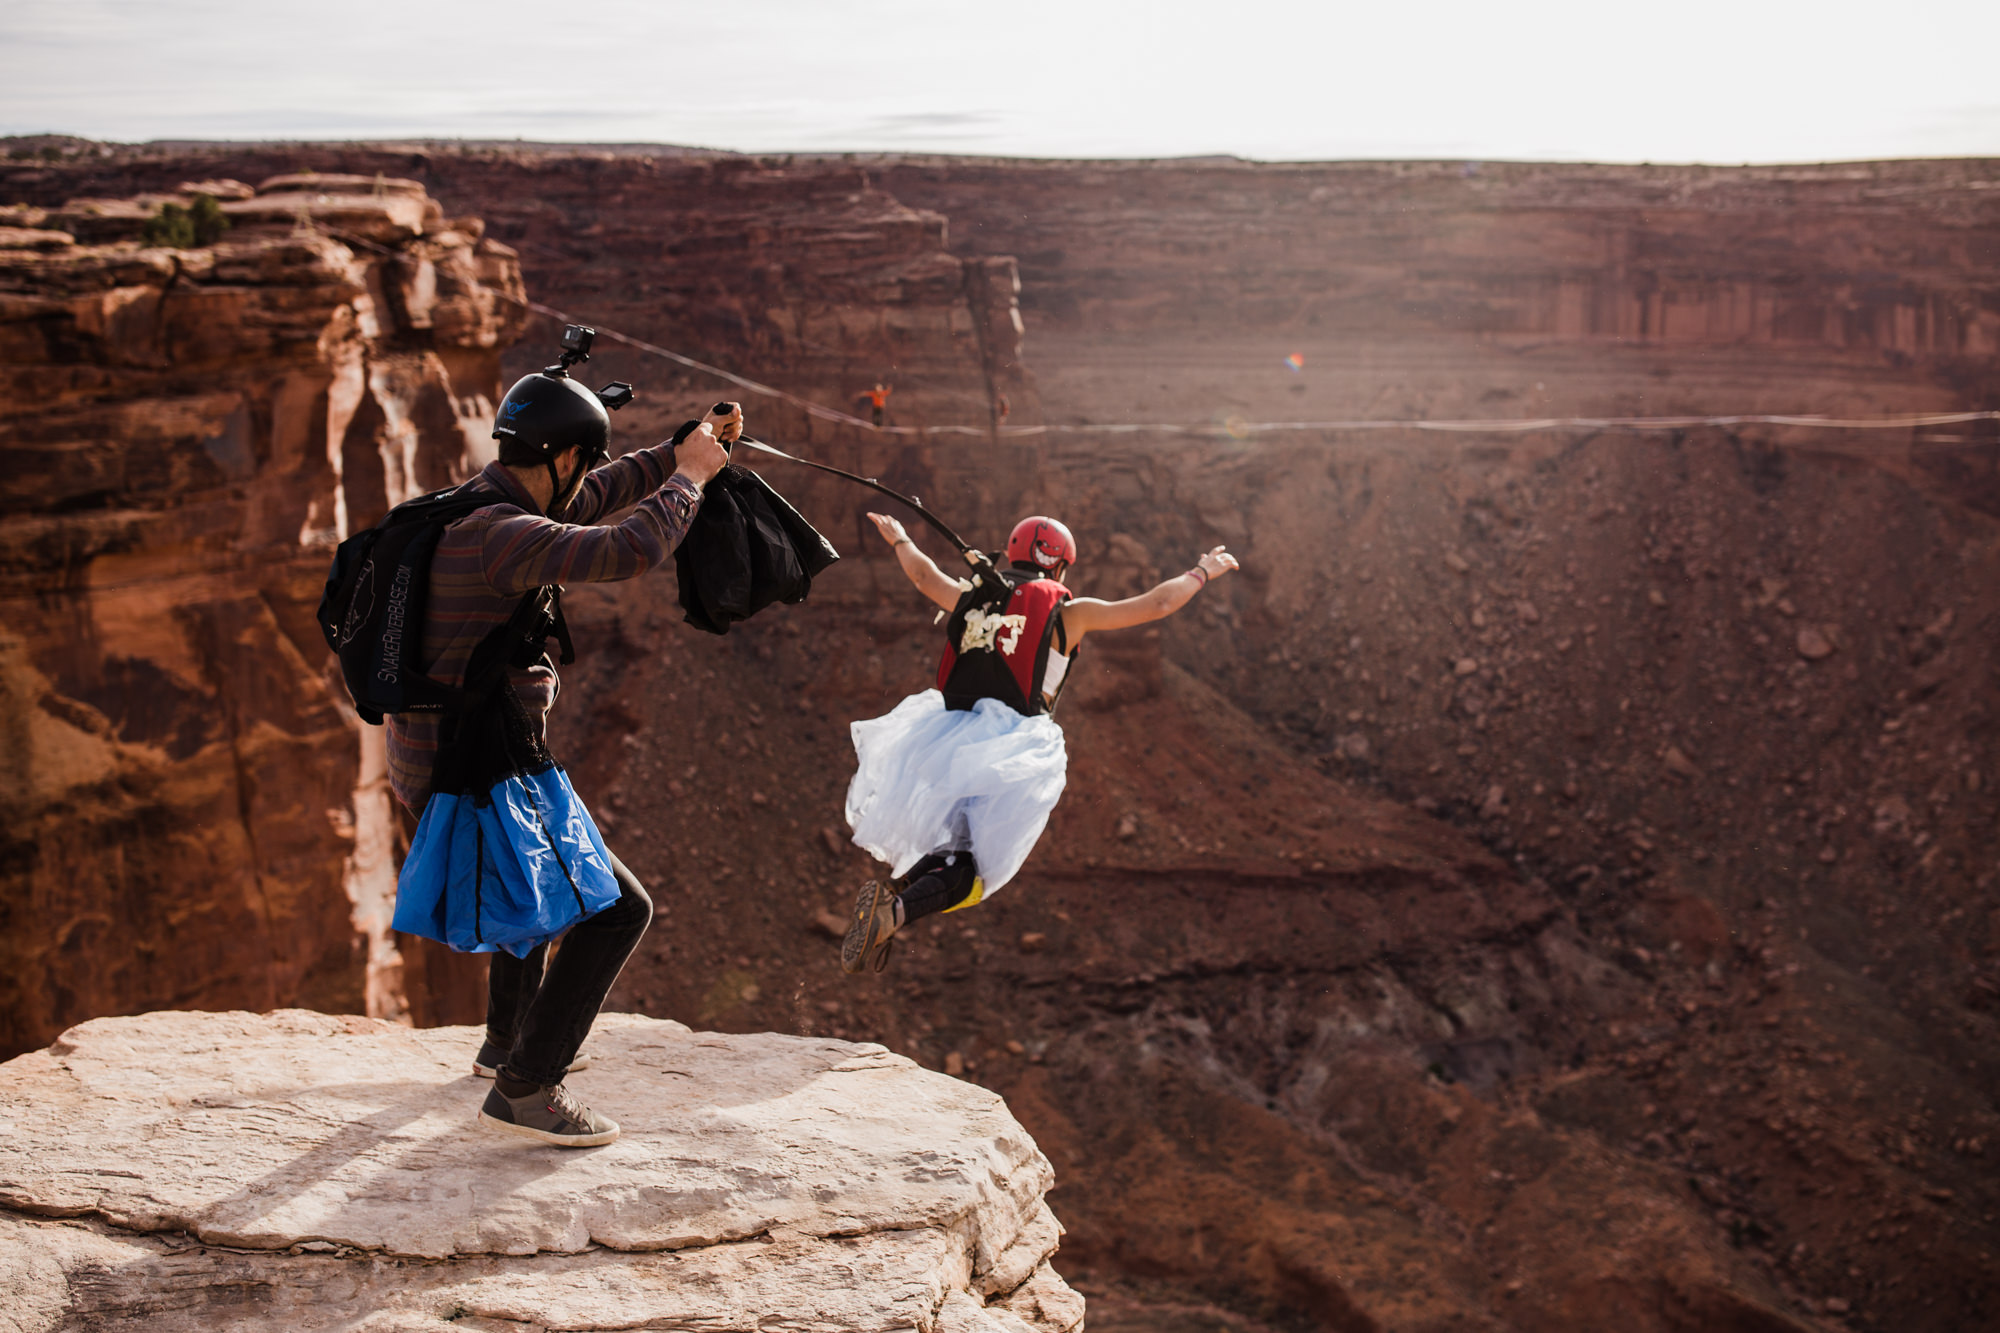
186,433
229,1171
805,275
813,279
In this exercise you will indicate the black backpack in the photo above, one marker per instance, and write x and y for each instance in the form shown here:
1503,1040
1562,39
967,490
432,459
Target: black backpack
372,612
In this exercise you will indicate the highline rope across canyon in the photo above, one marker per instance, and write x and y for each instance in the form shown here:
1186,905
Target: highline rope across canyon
1240,429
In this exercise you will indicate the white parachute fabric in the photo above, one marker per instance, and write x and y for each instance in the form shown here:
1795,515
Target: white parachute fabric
932,779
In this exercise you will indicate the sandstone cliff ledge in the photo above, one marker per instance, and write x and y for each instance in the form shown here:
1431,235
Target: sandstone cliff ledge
201,1171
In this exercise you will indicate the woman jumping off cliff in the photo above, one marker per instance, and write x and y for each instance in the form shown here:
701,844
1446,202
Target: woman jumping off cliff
955,785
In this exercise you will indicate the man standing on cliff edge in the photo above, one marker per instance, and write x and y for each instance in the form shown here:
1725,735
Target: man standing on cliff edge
540,530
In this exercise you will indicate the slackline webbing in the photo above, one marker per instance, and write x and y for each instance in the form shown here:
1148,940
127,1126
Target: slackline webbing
1240,429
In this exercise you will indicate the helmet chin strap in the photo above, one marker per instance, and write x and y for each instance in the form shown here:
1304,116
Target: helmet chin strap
556,498
559,494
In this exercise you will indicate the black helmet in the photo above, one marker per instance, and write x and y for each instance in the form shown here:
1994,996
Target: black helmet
546,413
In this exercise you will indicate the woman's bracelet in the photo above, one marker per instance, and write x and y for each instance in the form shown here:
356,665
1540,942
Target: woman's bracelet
1204,576
904,542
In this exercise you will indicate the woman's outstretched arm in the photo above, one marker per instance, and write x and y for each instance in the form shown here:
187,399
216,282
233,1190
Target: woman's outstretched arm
1087,614
921,570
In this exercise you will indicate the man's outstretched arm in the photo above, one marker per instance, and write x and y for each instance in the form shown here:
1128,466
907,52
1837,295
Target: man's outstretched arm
1087,614
524,551
919,568
629,479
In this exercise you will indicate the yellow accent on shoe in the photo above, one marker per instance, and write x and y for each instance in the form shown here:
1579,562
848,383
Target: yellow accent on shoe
978,892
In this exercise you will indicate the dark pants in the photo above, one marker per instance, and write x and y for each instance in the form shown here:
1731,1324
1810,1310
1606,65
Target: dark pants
540,1011
938,883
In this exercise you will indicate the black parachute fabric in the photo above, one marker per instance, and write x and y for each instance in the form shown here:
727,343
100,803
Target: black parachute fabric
746,549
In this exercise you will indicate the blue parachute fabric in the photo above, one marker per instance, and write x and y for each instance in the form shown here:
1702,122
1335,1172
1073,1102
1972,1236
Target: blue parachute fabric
511,872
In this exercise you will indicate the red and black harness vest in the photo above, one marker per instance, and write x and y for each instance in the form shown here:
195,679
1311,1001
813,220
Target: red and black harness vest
997,643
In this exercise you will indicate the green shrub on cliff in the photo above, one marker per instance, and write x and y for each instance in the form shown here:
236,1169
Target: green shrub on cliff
201,223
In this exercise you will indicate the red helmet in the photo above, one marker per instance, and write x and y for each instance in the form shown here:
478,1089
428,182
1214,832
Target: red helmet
1041,542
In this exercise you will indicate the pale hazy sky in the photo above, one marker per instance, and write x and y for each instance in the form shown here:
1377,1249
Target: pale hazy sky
1676,80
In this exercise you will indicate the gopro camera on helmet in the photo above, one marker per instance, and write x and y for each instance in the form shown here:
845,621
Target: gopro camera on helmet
576,341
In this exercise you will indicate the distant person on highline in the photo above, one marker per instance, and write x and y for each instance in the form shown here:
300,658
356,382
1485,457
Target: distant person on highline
955,785
878,400
542,529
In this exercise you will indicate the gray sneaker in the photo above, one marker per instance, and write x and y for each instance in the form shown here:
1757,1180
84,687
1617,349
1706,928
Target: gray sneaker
491,1057
553,1115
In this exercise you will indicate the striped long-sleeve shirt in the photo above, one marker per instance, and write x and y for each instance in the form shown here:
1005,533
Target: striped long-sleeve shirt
486,560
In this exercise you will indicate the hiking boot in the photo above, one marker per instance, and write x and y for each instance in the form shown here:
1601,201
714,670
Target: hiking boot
871,932
491,1057
552,1114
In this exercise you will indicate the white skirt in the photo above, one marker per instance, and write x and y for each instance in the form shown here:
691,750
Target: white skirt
933,780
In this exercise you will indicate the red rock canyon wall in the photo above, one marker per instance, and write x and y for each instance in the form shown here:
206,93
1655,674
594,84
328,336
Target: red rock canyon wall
186,433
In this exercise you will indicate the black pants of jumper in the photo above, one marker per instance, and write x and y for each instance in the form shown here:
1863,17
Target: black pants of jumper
937,883
540,1011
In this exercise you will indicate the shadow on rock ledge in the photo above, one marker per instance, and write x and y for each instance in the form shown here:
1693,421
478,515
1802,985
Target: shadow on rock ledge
183,1171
